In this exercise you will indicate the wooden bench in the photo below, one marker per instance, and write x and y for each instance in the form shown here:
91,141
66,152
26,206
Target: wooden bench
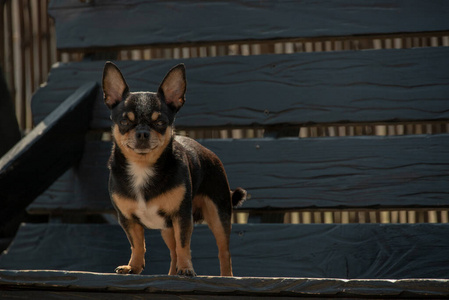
270,98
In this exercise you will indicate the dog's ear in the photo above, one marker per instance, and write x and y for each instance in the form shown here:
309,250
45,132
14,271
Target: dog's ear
114,85
173,87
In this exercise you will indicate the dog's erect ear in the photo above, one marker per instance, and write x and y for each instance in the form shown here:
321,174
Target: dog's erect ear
114,85
173,87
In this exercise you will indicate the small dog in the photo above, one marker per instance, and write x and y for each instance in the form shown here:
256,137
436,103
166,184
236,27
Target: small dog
162,181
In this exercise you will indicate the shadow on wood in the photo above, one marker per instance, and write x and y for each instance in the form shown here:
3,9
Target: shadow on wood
45,153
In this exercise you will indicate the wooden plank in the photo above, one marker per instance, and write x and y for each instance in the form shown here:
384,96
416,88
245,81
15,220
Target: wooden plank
104,295
357,172
81,24
361,86
84,285
290,173
45,153
351,251
83,189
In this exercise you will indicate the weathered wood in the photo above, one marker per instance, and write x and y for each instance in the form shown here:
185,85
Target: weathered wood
361,172
363,86
45,153
358,172
352,251
267,91
84,285
68,293
81,24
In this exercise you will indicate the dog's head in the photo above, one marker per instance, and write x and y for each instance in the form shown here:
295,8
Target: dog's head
143,121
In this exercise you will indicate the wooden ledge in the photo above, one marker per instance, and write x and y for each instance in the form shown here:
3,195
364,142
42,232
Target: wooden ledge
86,282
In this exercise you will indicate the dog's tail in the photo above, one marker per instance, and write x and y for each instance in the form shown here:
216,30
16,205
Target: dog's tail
238,196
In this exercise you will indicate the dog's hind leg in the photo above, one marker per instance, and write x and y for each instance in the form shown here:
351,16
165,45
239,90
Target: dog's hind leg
220,225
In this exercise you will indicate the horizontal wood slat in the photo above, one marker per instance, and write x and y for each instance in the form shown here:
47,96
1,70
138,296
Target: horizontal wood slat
275,250
81,24
362,86
100,286
291,173
339,172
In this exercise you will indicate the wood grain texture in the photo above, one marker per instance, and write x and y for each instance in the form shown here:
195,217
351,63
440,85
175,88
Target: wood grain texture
339,172
353,251
83,24
361,86
361,172
88,285
45,153
105,295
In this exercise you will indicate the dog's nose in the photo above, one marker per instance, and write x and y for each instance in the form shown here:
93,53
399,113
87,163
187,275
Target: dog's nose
142,134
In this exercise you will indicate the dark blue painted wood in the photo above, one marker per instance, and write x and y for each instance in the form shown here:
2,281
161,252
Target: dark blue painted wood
263,250
103,23
409,171
359,86
100,286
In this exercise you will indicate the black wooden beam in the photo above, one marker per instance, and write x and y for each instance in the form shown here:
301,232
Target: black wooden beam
45,153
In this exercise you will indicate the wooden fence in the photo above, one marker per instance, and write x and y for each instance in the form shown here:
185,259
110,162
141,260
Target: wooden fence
27,52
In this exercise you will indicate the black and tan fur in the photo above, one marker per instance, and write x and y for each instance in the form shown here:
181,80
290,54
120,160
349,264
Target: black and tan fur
162,181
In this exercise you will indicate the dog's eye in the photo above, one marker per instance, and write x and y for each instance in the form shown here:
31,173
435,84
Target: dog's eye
160,123
124,122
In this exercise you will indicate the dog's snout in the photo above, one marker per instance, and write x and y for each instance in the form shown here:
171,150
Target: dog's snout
142,134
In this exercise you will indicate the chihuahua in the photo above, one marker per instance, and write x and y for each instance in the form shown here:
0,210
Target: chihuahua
159,180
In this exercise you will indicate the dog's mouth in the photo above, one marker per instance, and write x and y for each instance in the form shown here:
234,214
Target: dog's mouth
142,151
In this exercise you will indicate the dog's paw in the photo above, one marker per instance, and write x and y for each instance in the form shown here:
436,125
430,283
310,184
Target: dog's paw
128,270
187,272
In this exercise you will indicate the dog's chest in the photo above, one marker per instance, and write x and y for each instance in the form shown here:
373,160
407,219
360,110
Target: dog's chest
147,211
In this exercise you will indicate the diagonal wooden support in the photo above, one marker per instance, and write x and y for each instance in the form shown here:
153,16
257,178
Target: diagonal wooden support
45,153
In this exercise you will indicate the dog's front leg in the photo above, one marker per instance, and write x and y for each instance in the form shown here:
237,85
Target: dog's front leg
136,237
168,235
183,227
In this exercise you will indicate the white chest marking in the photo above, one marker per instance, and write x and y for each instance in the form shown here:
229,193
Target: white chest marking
148,213
141,176
149,216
